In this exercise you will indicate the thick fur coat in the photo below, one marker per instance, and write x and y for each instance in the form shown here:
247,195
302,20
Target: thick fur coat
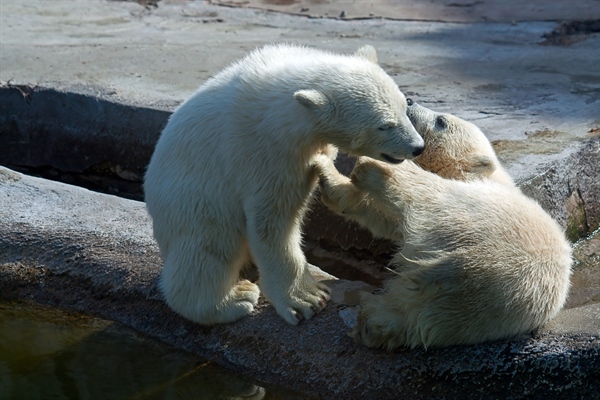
231,176
478,260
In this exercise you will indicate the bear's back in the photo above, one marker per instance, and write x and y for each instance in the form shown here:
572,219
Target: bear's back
488,235
487,214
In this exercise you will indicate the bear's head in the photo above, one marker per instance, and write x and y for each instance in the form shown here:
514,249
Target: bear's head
359,108
455,148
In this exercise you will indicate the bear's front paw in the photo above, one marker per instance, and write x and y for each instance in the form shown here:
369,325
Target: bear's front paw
330,198
333,186
305,299
371,175
323,166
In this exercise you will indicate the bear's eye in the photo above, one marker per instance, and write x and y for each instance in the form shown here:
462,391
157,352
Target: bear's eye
440,123
385,127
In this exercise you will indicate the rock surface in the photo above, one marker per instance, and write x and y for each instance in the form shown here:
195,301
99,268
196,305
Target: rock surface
86,87
431,10
69,247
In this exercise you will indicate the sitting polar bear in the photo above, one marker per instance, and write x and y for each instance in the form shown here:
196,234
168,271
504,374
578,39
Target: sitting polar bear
231,176
479,260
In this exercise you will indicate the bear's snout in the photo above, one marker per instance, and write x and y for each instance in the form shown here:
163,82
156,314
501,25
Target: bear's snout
416,152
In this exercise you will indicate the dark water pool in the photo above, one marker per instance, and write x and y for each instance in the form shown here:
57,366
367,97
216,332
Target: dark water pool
47,354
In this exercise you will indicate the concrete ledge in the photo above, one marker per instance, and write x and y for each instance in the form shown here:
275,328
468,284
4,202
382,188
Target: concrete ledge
85,136
65,246
79,130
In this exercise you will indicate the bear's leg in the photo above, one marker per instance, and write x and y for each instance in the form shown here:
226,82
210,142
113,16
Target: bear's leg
340,195
337,192
204,286
423,306
284,277
395,188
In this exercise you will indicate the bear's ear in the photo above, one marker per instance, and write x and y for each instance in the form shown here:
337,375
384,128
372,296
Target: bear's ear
313,100
368,53
480,165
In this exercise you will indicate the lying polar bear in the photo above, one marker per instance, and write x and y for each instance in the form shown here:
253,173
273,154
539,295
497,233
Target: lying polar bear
479,260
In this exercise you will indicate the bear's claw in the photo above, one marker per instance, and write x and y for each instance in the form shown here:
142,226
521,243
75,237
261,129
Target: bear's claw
302,304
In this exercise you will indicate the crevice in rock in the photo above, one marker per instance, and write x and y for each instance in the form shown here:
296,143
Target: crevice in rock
571,32
95,178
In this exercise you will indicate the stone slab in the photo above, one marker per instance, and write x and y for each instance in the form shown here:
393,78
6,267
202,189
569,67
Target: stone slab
68,247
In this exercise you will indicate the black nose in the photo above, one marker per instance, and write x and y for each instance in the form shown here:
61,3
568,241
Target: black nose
418,151
409,101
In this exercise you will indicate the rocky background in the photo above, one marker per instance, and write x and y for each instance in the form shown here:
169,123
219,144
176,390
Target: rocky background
86,87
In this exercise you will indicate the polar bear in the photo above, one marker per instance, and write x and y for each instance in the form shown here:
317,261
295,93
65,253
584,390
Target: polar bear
456,149
231,176
479,260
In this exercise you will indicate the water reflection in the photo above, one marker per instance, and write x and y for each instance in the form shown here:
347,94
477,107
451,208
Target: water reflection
50,354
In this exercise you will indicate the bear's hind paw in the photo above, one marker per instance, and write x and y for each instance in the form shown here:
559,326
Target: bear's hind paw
379,326
246,291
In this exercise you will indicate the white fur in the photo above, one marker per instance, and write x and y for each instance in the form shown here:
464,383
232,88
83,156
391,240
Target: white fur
456,148
231,176
479,260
